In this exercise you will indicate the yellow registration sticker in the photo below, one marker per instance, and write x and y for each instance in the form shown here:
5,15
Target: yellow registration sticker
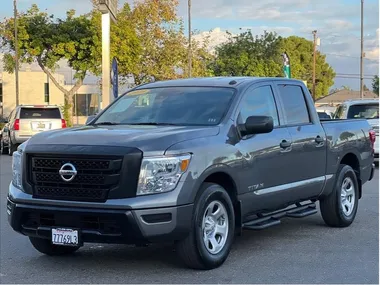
138,92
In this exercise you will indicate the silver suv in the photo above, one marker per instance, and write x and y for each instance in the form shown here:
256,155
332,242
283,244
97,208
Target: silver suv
26,121
362,109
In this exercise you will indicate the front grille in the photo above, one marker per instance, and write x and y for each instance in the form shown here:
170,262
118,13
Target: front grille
95,177
102,224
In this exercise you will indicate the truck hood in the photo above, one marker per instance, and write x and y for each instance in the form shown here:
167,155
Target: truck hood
149,139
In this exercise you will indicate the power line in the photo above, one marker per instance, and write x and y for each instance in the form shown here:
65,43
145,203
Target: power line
348,56
354,74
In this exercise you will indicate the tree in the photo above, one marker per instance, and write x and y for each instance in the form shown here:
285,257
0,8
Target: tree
46,41
365,88
159,31
375,84
124,43
246,55
300,51
153,43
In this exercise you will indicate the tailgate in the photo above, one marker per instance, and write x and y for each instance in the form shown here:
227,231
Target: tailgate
35,120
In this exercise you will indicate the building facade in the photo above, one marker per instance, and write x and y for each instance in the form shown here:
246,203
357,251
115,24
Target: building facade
35,88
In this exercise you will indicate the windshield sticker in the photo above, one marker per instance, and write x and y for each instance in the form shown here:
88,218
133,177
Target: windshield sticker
138,92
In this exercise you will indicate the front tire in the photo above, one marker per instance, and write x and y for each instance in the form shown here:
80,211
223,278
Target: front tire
213,228
46,247
340,207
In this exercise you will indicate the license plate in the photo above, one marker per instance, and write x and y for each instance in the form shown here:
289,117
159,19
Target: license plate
41,126
67,237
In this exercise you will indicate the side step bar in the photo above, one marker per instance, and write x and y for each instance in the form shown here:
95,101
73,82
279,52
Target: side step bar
264,221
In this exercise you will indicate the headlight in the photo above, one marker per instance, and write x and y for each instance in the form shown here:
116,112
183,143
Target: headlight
161,174
16,167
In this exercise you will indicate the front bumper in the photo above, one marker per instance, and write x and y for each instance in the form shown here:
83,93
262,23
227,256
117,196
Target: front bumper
18,138
103,225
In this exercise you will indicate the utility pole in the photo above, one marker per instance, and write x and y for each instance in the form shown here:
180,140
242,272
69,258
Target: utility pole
190,47
16,52
361,50
314,61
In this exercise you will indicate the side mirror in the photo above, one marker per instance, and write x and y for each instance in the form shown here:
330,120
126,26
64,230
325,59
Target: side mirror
90,118
258,125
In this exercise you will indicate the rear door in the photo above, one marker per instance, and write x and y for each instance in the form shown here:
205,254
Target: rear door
307,165
34,120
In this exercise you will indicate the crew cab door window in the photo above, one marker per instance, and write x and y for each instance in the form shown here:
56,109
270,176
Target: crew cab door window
259,102
295,108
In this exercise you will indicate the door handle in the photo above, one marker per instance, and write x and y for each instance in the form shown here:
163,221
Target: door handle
319,139
285,144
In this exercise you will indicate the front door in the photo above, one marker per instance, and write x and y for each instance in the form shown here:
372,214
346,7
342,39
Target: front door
265,156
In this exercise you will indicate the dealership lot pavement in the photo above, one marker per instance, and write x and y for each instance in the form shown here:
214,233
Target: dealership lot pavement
297,251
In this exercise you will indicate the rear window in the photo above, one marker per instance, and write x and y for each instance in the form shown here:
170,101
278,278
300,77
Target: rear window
40,113
363,111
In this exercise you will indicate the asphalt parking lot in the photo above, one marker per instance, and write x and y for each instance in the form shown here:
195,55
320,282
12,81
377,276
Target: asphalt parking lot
297,251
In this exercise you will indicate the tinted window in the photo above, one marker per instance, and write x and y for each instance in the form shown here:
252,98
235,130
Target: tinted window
170,105
323,115
363,111
259,102
294,104
40,113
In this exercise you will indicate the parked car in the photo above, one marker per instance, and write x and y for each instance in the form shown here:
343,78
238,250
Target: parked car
325,112
26,121
362,109
192,162
323,115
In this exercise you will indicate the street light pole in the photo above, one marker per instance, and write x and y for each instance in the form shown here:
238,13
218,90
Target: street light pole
16,52
314,61
190,46
361,49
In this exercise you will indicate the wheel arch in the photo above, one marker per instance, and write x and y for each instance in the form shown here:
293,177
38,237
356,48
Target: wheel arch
351,159
223,175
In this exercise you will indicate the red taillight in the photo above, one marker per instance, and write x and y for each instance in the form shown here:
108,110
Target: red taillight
64,125
372,138
16,125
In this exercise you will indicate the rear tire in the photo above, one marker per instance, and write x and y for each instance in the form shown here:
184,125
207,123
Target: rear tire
340,207
46,247
11,147
212,232
3,149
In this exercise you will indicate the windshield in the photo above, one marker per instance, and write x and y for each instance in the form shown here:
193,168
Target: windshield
170,105
363,111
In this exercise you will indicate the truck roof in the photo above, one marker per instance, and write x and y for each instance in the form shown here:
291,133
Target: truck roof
222,81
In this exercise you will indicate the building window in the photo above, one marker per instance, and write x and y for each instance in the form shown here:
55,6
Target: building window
47,99
86,104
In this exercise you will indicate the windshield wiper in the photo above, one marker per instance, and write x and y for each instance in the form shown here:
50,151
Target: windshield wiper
106,124
152,124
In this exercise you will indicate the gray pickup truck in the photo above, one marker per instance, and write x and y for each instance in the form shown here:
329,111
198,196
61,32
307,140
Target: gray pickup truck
193,162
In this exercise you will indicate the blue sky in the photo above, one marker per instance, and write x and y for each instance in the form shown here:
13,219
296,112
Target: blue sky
337,22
